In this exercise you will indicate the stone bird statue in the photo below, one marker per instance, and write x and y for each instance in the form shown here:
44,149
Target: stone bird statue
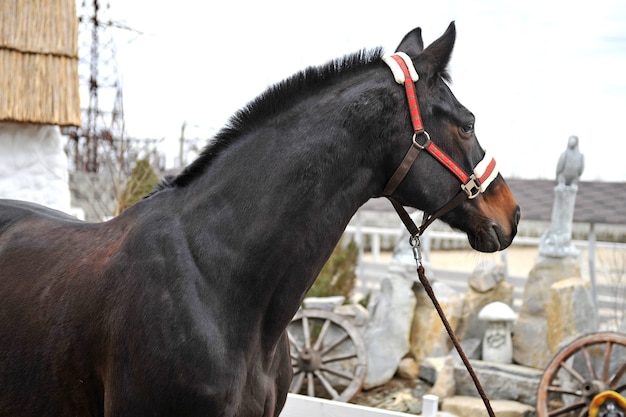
571,164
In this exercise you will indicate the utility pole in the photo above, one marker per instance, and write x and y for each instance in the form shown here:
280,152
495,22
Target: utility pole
100,84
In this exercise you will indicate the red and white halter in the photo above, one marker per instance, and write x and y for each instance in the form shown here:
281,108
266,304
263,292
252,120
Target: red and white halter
471,185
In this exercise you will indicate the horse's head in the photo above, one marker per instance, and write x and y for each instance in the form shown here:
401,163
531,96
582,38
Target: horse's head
490,215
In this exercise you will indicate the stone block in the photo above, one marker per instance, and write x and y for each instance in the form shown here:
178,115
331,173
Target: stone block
486,277
408,369
570,312
500,381
544,273
445,384
389,328
474,407
428,334
530,345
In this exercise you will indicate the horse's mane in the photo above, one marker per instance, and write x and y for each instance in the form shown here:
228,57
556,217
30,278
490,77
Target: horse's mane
273,100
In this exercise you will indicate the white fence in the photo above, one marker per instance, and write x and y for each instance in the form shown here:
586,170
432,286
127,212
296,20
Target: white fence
374,236
302,406
434,238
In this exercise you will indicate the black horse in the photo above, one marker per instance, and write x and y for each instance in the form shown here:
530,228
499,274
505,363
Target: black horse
178,306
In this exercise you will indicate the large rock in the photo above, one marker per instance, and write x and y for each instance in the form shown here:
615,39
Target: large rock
486,276
408,369
486,285
530,342
428,334
570,312
388,330
445,384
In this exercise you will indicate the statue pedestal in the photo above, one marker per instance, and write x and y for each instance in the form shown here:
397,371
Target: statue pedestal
556,307
557,241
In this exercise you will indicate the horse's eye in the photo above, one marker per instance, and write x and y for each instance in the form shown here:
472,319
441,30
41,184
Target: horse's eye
467,130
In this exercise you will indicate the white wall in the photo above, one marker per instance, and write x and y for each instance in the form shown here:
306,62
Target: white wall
33,165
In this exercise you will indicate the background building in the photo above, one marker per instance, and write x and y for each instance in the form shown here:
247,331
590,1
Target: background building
39,84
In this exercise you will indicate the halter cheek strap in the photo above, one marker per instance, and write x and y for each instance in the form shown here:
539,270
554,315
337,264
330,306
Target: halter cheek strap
404,73
471,185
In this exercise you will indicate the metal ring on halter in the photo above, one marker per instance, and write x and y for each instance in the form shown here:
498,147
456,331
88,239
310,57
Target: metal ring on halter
425,133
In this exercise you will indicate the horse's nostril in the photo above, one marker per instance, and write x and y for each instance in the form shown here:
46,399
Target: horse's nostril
518,215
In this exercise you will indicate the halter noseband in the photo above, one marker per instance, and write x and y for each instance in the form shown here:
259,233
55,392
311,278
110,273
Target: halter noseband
471,185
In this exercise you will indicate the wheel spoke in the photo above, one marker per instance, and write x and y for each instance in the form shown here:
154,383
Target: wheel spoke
620,388
567,409
572,372
293,342
587,357
341,374
607,361
618,375
334,344
329,388
584,412
560,390
306,331
297,382
339,357
322,335
310,388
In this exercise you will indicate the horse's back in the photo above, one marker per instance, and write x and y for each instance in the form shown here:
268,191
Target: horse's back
14,211
39,322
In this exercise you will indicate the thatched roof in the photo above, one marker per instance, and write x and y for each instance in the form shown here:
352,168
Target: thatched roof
39,62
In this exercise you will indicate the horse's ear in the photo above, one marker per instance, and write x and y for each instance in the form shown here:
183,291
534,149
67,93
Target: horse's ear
437,55
412,43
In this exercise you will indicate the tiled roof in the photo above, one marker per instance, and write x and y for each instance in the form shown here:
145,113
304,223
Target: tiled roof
596,201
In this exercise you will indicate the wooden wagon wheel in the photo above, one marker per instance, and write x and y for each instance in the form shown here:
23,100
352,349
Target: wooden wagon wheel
329,353
586,378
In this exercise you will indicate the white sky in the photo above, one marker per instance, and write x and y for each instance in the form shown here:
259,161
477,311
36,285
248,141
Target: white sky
533,72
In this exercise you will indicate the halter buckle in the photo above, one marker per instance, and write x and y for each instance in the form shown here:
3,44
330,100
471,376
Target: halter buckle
472,187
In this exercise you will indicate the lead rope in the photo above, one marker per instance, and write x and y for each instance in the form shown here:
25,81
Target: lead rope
455,340
415,242
416,245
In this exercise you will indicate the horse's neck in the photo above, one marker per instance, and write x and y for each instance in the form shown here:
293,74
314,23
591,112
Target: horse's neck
268,212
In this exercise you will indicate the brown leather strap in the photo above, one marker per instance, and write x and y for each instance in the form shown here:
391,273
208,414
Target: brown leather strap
403,168
406,219
449,206
428,219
